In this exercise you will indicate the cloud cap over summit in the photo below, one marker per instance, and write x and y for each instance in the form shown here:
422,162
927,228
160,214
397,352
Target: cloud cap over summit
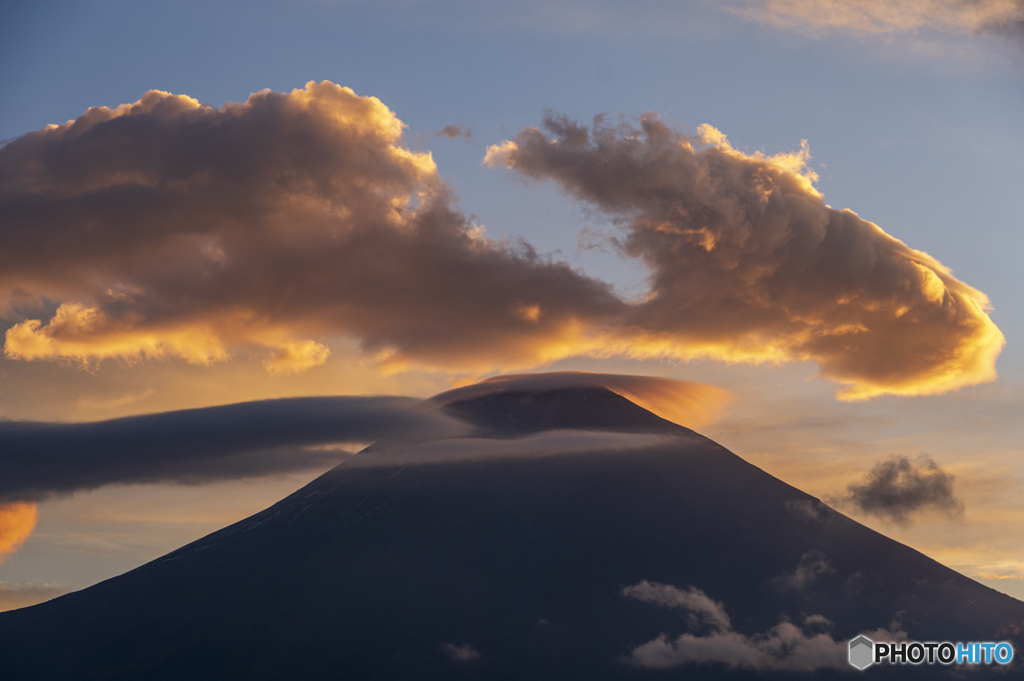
684,402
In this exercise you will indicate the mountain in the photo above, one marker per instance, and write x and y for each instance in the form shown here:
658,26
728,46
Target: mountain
574,536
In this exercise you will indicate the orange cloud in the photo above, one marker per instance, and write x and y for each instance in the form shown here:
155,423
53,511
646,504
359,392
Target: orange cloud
172,229
293,358
89,334
748,263
17,521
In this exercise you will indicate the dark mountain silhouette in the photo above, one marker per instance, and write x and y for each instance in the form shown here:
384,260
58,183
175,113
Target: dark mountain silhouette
510,414
510,568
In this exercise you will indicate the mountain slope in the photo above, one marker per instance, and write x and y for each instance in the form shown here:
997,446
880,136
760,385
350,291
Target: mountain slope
504,568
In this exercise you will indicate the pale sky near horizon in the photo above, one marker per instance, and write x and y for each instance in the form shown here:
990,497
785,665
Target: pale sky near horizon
913,123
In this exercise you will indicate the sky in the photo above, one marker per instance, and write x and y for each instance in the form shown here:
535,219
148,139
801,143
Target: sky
808,212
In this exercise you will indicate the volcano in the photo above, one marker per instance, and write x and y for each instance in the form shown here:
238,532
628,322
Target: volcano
571,535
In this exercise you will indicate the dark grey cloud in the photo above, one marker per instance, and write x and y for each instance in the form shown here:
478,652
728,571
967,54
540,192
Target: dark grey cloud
251,439
810,510
899,488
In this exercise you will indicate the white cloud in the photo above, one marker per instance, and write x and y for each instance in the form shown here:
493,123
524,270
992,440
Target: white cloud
784,647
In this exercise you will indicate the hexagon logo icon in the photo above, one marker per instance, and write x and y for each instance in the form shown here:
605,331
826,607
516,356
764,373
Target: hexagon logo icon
862,652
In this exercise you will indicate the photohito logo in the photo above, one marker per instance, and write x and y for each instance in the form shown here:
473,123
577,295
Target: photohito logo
864,652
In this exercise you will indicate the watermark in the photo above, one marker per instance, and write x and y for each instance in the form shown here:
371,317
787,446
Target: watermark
864,652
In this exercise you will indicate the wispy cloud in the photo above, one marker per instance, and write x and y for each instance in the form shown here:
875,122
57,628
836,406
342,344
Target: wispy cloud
457,131
878,17
22,595
702,609
548,443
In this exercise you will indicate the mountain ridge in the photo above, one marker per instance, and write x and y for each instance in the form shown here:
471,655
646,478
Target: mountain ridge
518,565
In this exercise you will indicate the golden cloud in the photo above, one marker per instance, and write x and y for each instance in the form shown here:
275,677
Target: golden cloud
90,334
172,229
748,263
293,358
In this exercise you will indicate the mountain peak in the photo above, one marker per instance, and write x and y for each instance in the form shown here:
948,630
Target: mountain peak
512,567
521,412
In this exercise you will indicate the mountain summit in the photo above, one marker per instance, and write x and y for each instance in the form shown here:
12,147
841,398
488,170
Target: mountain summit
517,413
576,536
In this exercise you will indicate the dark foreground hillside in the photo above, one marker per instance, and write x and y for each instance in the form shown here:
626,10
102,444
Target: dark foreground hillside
556,563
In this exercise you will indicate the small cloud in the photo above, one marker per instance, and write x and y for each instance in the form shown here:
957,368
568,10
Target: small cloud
812,566
810,510
702,609
463,653
817,621
457,131
294,358
899,488
985,575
